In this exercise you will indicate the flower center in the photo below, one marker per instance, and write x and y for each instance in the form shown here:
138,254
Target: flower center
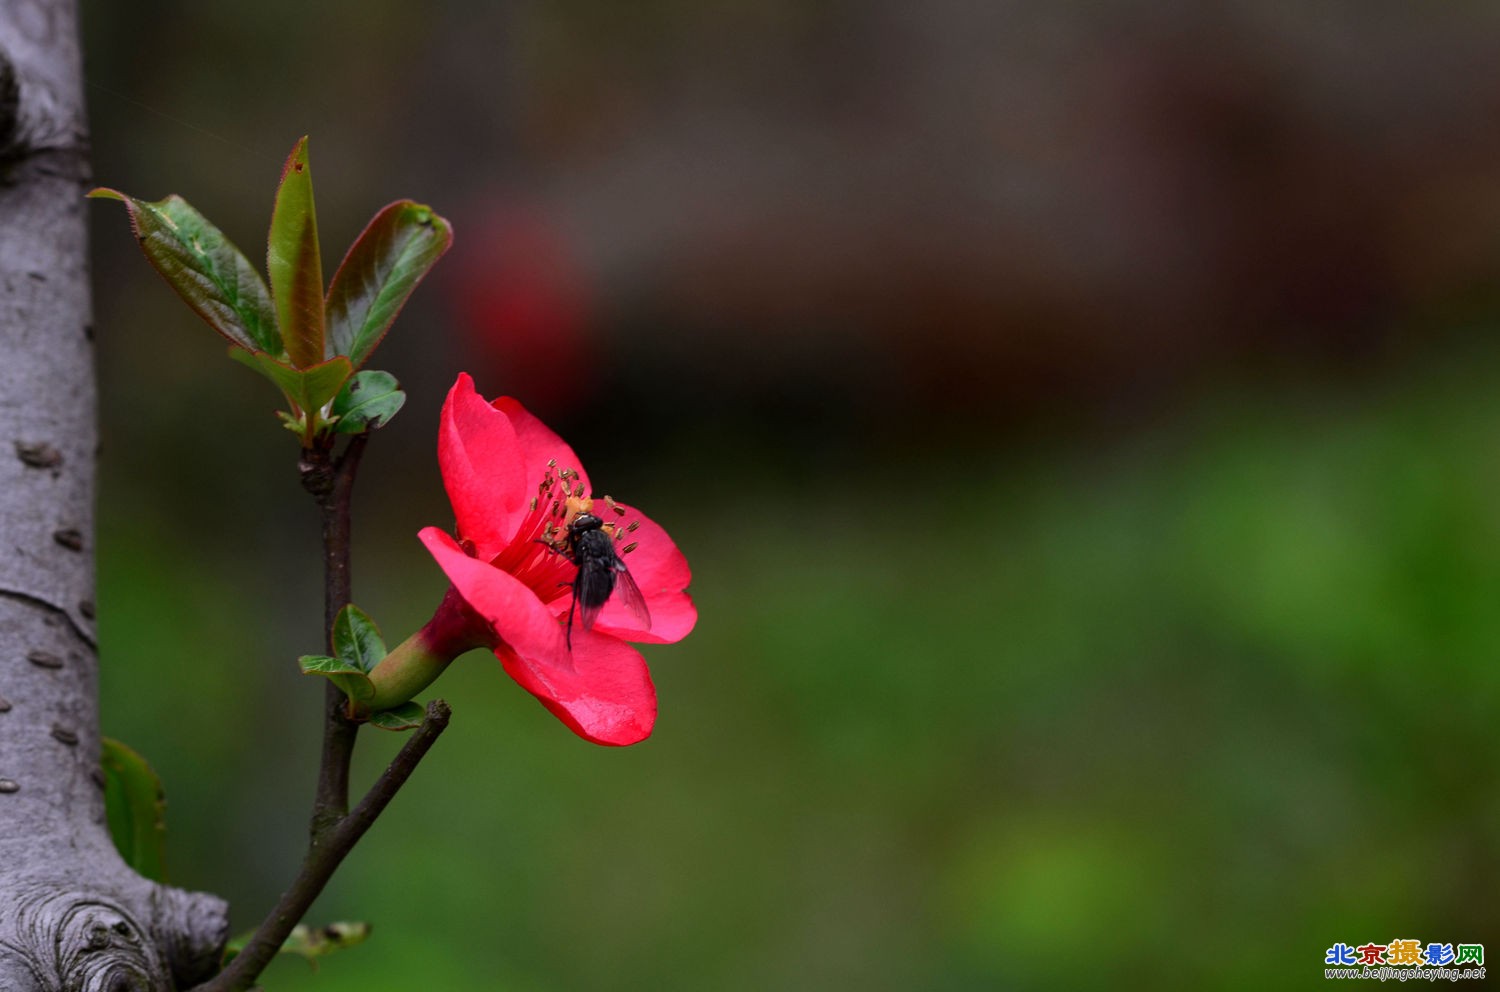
538,554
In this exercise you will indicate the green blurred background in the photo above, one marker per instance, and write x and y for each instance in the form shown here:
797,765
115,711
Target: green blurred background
1082,421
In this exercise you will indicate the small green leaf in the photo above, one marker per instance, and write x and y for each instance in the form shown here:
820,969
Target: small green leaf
291,423
396,249
356,639
407,716
367,401
294,263
307,389
135,806
348,676
205,268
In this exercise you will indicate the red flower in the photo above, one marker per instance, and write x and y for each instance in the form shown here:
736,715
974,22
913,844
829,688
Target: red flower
515,488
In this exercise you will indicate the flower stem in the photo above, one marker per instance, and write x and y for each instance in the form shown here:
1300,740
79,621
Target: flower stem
417,661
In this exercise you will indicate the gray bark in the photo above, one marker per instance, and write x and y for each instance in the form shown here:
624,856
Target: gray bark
72,914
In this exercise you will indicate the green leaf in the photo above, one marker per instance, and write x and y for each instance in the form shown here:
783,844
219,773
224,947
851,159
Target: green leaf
135,806
294,263
205,268
291,423
356,639
396,249
357,642
348,676
407,716
307,389
367,401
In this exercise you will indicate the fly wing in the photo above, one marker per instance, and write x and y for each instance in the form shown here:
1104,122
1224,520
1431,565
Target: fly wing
591,590
630,595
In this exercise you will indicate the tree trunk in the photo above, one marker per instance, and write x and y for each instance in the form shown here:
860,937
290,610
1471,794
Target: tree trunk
72,915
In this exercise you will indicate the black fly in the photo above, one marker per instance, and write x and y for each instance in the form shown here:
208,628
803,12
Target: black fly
600,572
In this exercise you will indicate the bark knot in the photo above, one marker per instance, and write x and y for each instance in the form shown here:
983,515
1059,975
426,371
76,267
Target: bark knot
73,941
38,454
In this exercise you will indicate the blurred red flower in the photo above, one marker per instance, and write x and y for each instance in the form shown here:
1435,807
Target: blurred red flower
522,298
516,487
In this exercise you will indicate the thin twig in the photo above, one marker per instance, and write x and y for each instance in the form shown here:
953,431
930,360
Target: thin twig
331,482
324,858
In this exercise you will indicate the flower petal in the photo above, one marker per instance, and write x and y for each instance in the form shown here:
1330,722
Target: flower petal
512,610
539,444
483,469
601,689
606,696
661,571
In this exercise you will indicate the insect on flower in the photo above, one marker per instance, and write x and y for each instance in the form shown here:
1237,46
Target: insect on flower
590,544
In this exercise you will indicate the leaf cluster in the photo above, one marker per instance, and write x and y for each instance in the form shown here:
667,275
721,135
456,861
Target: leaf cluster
312,344
358,648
